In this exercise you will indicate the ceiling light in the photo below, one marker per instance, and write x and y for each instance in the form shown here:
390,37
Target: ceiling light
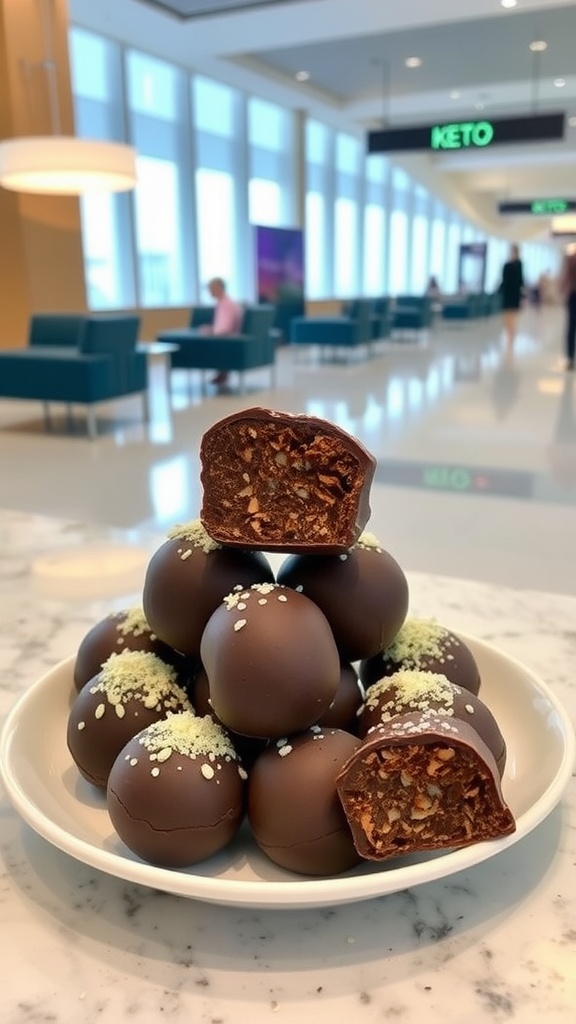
413,62
454,95
559,83
60,164
66,165
508,3
538,45
302,76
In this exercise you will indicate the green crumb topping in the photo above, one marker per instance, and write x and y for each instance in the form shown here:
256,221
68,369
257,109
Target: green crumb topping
408,691
133,621
193,531
188,735
417,640
139,675
369,541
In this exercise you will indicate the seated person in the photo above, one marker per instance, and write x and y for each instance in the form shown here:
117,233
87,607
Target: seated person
227,318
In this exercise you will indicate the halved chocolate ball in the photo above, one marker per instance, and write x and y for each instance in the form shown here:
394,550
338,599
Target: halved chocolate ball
284,482
422,782
271,661
362,592
293,806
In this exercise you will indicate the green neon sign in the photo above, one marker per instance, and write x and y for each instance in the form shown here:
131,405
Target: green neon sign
450,478
462,135
549,206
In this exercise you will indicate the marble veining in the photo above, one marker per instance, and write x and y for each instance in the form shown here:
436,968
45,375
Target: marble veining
495,943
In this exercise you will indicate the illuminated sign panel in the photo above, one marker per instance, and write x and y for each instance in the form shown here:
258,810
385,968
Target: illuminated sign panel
539,207
468,135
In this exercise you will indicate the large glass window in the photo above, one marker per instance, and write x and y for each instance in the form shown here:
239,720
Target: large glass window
438,247
272,169
163,196
221,186
347,216
398,239
319,145
106,220
419,262
374,263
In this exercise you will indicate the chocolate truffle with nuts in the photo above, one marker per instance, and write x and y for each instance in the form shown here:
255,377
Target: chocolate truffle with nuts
293,805
271,661
422,782
187,578
131,691
283,482
176,791
424,646
408,692
362,592
126,630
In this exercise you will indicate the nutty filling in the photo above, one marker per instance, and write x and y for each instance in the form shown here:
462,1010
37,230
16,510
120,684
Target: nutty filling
271,485
420,797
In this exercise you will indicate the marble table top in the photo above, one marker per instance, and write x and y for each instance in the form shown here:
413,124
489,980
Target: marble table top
493,943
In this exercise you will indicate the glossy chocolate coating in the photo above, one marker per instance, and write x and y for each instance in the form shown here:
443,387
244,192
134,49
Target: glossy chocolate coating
271,661
363,594
430,692
180,594
343,711
176,812
110,636
283,482
441,651
422,782
247,747
293,806
99,726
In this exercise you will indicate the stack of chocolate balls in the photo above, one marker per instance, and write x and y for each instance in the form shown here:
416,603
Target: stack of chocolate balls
232,692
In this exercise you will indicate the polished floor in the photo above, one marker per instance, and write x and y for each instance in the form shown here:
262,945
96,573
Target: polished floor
476,449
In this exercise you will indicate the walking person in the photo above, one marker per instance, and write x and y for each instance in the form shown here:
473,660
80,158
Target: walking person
568,291
512,291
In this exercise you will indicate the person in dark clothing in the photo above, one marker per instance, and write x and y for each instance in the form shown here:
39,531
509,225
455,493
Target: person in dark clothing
568,289
512,291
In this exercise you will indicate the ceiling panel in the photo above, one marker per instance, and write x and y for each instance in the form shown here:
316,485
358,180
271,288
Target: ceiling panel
206,8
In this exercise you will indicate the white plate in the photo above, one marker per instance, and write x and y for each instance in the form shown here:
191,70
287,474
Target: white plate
48,792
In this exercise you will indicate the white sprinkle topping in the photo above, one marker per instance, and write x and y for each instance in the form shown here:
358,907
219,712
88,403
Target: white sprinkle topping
343,558
262,600
282,597
81,725
207,771
186,554
99,712
132,621
241,606
133,761
155,773
239,625
243,774
286,749
469,709
299,588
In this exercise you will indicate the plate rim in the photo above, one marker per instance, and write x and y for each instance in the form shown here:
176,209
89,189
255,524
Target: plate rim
301,891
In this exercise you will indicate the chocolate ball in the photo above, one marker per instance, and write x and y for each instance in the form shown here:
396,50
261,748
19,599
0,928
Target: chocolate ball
131,691
343,711
363,594
186,580
248,748
176,791
293,806
408,692
424,646
126,630
271,661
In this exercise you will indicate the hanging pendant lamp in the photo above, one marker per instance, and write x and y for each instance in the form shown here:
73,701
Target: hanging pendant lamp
63,164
